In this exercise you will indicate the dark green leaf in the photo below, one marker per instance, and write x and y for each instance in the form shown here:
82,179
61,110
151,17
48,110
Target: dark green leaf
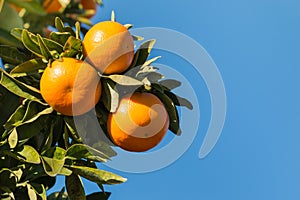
8,180
75,187
28,130
71,127
170,84
43,48
62,28
17,33
60,37
12,55
179,101
98,196
97,175
32,6
174,125
62,195
30,43
72,47
53,160
9,18
110,95
142,53
32,66
19,88
79,151
8,39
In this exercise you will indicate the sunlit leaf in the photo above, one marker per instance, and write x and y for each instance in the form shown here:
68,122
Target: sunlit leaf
53,160
97,175
39,190
19,88
79,151
32,66
30,43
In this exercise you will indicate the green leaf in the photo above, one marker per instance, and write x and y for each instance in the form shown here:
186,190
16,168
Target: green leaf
62,195
28,154
71,127
31,193
43,48
142,53
53,160
32,66
79,151
97,175
8,39
124,80
30,43
98,196
75,187
13,139
62,28
137,38
8,180
19,88
174,124
110,96
9,18
170,84
12,55
179,101
38,189
32,6
17,33
60,37
72,47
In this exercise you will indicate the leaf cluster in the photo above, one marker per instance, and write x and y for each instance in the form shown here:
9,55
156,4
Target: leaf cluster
37,143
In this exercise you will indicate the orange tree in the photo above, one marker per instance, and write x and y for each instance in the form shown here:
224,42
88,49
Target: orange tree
42,70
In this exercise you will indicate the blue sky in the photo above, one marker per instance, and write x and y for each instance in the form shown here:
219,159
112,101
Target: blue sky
255,45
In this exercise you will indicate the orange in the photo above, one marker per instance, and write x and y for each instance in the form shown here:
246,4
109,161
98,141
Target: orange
139,123
109,47
70,86
53,6
89,5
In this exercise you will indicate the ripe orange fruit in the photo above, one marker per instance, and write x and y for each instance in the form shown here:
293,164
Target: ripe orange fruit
109,47
89,5
70,86
53,6
140,122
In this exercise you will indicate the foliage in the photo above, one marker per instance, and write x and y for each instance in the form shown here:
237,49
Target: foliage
36,142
